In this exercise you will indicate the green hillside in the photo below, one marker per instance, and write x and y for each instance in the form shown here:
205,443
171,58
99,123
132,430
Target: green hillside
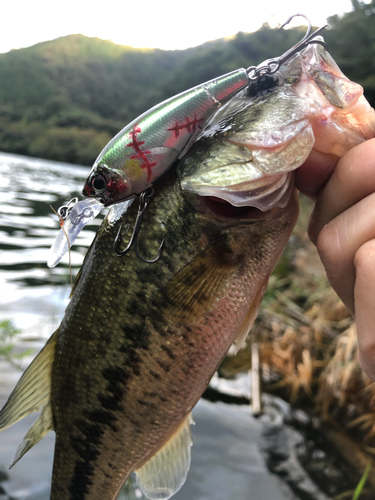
65,99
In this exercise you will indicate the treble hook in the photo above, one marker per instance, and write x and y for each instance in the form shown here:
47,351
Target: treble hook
270,66
144,199
306,40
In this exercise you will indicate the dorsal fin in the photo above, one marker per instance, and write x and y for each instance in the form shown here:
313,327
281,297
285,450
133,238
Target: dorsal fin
164,474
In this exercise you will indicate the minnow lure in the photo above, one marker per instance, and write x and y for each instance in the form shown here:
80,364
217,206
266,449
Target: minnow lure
147,147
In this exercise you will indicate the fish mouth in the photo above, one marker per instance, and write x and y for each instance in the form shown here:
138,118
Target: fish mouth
253,204
267,192
225,211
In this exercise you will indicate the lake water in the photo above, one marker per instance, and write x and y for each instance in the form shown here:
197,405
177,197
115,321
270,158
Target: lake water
33,296
228,457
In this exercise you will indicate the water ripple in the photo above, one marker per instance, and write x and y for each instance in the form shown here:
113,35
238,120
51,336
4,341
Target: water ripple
28,226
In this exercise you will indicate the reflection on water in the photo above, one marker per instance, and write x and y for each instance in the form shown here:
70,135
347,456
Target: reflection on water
31,294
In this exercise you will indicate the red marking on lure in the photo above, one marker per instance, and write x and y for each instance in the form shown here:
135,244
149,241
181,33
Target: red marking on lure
189,125
139,153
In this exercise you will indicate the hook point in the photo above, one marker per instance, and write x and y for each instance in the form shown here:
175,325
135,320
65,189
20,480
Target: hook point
144,199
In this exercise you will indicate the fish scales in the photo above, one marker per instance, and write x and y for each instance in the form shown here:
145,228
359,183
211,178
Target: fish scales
143,358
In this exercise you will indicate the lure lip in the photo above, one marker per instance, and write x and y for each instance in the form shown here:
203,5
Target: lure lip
81,214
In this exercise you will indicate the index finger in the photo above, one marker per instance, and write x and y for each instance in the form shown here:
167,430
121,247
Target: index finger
352,180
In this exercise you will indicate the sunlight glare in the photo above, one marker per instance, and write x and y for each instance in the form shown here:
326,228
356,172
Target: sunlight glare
164,24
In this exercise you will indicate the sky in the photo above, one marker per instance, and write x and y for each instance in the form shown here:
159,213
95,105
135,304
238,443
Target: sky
165,24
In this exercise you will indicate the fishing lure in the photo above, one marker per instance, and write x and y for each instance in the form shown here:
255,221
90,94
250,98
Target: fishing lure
74,215
147,147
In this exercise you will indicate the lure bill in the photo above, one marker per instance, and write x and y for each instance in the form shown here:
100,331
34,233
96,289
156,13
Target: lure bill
74,219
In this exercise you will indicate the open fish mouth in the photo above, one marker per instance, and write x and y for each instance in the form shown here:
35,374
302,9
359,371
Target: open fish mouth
270,191
248,151
225,211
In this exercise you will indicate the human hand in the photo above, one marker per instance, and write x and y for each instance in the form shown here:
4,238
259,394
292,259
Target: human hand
342,227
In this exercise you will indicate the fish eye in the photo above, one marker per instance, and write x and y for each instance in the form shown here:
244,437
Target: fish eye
98,183
263,85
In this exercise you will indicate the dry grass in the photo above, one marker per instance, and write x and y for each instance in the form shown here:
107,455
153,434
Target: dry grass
308,343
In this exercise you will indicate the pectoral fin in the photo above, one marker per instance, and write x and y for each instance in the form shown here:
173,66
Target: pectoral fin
32,393
194,289
164,474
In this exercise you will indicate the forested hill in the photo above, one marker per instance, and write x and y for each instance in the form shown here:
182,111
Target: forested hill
65,99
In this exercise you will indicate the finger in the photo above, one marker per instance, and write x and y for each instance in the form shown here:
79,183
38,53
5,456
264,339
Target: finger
352,180
340,240
364,305
313,175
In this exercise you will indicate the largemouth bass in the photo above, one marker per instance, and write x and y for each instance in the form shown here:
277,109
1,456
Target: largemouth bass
139,343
